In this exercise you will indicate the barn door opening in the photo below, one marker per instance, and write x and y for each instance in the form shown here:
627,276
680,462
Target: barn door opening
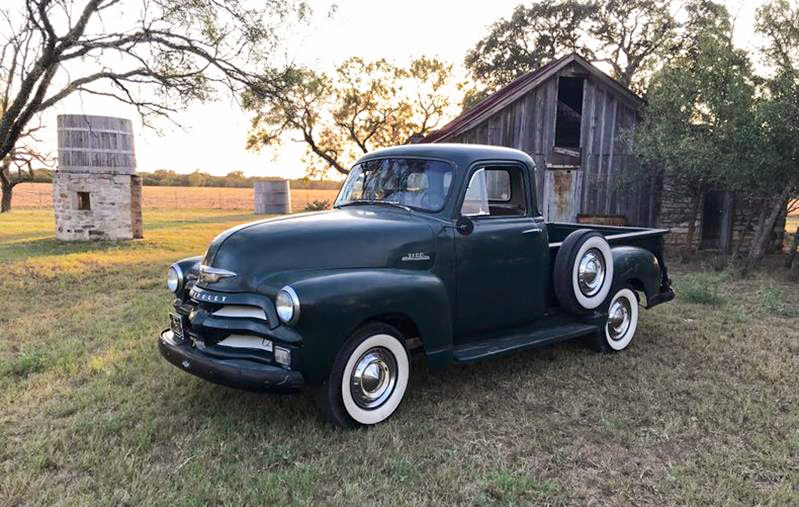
570,111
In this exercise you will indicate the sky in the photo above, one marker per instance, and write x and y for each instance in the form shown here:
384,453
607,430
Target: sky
212,136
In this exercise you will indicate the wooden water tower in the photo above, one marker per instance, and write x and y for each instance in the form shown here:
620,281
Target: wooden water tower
96,192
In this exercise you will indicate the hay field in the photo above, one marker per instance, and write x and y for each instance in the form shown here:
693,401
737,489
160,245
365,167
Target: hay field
40,195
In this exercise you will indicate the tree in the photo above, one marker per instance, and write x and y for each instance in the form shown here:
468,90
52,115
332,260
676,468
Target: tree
698,129
627,35
154,55
21,163
775,179
361,106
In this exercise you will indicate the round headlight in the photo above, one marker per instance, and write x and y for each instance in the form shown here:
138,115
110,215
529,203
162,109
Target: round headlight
287,305
174,279
591,272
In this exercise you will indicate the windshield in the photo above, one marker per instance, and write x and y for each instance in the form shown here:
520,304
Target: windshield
418,184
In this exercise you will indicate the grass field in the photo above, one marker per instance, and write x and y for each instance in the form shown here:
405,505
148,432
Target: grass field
703,409
40,195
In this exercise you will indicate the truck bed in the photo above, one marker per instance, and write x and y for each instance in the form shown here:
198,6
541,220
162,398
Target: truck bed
651,239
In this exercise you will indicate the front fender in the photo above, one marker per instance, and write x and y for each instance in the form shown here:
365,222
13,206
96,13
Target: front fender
635,266
334,303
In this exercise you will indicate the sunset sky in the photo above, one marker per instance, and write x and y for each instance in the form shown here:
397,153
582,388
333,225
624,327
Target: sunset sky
213,136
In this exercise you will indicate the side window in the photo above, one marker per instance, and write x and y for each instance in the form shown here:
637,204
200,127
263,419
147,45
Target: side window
496,191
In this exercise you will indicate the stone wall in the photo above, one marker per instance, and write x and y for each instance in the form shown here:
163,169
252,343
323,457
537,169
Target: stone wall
137,227
110,216
675,209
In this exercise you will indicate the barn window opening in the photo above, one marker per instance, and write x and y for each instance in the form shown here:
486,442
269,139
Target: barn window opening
84,201
570,112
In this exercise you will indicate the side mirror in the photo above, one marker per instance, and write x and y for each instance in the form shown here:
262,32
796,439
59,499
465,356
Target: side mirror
464,225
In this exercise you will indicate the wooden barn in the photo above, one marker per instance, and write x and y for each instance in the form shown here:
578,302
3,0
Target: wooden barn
569,117
572,118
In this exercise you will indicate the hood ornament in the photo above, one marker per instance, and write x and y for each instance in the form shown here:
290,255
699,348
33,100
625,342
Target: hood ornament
213,275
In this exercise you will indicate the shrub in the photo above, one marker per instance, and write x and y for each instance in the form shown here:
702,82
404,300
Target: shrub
772,300
317,205
702,288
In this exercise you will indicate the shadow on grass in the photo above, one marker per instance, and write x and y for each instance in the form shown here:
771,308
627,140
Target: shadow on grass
48,245
221,408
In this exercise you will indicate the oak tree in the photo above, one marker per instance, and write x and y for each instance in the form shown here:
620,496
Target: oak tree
154,55
361,106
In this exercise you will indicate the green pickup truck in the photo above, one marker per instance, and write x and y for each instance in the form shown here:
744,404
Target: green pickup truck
435,249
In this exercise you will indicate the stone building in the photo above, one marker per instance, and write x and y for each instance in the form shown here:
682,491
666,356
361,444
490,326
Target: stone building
570,117
96,192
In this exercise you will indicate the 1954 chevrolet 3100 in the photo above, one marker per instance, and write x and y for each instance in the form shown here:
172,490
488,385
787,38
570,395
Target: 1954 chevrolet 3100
437,248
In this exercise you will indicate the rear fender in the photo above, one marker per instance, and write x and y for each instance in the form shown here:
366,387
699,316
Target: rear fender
335,303
635,266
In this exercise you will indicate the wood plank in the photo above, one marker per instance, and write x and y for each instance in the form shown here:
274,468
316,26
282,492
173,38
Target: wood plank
611,180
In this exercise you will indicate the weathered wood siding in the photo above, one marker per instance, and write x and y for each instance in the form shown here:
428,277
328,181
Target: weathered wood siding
609,174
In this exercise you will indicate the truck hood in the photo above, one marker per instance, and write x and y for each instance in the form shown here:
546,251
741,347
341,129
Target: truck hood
261,253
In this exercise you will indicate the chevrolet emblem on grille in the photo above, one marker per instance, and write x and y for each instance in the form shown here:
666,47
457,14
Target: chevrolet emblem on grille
213,275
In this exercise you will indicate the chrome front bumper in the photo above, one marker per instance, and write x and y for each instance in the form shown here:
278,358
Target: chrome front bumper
237,373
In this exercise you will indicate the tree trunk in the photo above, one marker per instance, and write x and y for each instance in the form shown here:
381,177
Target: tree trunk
792,252
689,238
760,241
5,206
793,274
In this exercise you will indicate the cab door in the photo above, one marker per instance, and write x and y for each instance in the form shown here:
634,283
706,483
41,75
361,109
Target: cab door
502,265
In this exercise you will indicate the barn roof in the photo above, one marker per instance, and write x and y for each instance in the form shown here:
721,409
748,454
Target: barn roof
521,86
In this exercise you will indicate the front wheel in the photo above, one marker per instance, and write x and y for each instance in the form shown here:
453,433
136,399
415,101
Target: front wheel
368,379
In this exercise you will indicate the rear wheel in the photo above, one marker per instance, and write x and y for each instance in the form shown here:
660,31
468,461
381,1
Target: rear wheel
621,324
368,379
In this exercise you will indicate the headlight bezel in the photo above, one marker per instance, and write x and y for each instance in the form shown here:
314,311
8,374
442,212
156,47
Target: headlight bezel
293,303
179,277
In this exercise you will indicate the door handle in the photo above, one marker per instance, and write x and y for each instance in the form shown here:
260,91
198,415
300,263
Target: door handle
534,229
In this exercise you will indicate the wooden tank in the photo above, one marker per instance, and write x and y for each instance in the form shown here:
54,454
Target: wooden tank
273,196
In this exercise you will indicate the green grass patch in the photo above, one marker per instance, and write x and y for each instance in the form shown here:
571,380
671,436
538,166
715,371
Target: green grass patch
702,288
772,300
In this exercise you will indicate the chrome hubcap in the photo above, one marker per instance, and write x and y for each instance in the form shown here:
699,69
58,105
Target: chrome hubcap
591,272
373,378
619,317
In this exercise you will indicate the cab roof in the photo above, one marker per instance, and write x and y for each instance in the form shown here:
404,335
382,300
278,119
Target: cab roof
462,154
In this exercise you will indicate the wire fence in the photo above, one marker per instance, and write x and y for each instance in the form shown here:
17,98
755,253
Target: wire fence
40,195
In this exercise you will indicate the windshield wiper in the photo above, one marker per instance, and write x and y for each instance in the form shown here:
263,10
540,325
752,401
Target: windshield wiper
374,201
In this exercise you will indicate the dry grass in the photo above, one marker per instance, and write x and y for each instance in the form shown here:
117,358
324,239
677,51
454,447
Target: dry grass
40,195
703,409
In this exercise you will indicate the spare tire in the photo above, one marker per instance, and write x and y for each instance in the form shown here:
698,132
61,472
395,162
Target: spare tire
583,271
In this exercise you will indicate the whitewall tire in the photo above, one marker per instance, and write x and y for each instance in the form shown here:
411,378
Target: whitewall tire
622,319
369,378
583,272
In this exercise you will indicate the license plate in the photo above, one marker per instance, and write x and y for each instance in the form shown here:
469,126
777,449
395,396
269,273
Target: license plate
176,324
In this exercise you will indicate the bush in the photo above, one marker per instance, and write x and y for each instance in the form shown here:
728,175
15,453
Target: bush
702,288
772,300
318,205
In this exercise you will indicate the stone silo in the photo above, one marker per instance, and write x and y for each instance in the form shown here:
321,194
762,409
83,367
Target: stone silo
273,196
96,192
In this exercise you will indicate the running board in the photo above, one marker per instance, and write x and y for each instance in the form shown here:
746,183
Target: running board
519,340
